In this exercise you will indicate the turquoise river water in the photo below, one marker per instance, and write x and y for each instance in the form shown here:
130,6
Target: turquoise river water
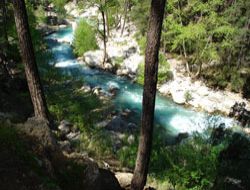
175,118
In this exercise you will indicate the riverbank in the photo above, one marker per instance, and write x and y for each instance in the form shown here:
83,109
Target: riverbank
125,55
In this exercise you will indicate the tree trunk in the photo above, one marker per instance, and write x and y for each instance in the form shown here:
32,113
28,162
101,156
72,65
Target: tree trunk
28,57
104,38
4,23
150,82
125,16
107,23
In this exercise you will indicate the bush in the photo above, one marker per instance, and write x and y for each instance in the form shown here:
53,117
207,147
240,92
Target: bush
188,96
59,6
84,38
225,77
189,165
40,14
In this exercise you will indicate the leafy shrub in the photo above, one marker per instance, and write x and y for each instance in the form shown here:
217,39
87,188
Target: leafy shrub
117,62
140,74
188,96
40,14
237,81
142,41
225,77
189,165
59,6
163,73
84,38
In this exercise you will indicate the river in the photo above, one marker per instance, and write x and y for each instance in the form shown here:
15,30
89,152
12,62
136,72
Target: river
175,118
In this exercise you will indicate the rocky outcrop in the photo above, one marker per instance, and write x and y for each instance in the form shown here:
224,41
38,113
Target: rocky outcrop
94,58
124,179
239,111
184,89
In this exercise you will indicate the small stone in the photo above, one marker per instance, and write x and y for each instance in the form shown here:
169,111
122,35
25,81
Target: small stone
73,136
64,127
131,139
85,88
102,124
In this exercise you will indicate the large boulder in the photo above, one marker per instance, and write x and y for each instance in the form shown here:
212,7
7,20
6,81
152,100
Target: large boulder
94,58
132,63
124,179
38,129
165,88
178,96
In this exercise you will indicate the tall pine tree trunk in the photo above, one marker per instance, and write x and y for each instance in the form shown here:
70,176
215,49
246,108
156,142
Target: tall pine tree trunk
28,57
4,24
149,92
104,38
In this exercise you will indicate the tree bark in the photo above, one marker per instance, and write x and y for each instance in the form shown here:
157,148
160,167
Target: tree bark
149,92
28,57
107,23
4,23
125,16
104,38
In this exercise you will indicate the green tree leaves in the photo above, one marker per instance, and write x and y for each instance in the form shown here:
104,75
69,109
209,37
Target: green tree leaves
84,38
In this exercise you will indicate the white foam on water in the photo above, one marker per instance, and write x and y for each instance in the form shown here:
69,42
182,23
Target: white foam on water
67,63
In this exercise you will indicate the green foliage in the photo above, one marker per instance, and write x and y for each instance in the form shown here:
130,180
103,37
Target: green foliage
59,7
205,32
140,14
117,62
142,41
164,73
164,69
192,164
189,165
140,74
188,96
65,101
40,14
225,77
84,38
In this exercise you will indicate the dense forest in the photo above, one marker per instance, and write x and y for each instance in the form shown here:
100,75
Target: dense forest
125,94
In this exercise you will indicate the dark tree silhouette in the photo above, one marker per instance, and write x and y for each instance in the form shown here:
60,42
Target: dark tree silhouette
28,57
4,23
150,82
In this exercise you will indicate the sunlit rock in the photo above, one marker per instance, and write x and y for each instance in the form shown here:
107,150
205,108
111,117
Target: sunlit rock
165,89
94,58
108,66
178,96
131,139
64,127
85,88
124,179
132,63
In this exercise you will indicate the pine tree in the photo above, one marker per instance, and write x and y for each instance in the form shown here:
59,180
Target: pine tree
149,92
28,57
